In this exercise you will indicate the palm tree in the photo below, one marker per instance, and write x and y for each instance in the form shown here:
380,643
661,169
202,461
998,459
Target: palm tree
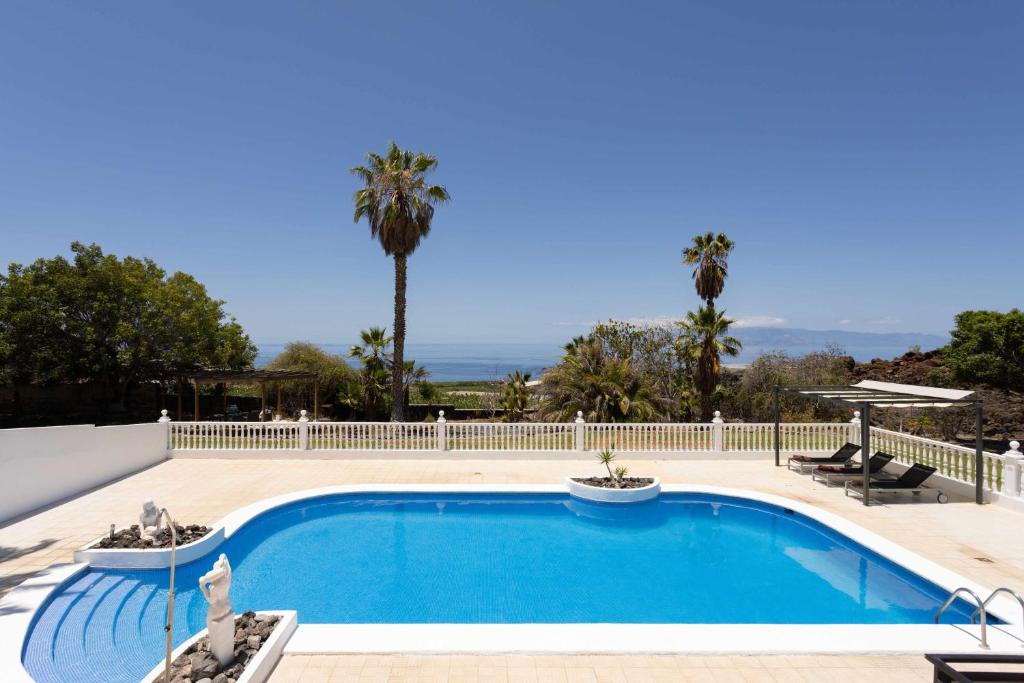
709,253
705,339
372,352
605,388
398,203
515,396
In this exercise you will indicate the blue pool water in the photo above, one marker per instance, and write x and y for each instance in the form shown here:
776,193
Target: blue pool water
493,558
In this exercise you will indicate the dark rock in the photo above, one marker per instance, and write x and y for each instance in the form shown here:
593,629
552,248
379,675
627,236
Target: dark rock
608,483
198,665
204,665
132,537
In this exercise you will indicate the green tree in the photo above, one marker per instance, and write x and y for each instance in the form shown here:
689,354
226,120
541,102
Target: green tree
988,348
116,322
605,388
372,353
515,396
398,203
705,339
375,355
709,254
331,370
651,351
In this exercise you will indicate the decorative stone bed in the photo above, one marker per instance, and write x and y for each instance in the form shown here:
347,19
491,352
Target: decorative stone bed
197,664
603,490
607,483
132,538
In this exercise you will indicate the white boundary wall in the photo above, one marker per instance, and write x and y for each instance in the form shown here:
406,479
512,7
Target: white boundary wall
42,465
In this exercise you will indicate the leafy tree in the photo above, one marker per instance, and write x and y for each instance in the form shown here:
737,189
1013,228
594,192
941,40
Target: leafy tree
751,395
988,348
515,396
704,341
117,322
398,203
709,253
651,351
331,370
605,388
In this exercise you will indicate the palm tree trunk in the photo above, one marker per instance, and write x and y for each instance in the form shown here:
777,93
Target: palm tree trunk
398,361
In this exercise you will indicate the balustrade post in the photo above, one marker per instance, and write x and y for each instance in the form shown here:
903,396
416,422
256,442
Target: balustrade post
1013,464
165,419
855,428
442,431
303,431
717,432
579,435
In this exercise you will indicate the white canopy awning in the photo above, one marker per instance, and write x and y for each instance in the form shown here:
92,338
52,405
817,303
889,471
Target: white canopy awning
914,390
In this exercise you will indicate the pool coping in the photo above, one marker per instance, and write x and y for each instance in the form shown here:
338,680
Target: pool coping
20,606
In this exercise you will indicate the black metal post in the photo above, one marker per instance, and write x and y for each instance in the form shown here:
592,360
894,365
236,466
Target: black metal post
865,447
775,414
979,456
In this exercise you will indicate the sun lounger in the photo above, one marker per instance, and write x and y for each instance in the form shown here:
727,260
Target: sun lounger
840,457
947,671
828,473
910,481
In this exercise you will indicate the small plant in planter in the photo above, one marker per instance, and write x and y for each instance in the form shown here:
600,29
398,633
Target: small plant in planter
616,478
617,487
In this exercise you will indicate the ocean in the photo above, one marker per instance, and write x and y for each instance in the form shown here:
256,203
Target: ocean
460,362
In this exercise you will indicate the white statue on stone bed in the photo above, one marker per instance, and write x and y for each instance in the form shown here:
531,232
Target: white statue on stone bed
220,618
150,521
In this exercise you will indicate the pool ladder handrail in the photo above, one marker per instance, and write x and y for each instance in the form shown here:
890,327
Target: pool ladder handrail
981,609
1001,589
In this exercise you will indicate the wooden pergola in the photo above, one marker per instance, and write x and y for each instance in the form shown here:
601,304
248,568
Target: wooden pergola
260,377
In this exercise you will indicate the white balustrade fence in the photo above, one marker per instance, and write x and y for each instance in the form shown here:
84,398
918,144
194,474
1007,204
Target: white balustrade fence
629,436
1002,473
525,436
501,436
371,436
955,462
796,437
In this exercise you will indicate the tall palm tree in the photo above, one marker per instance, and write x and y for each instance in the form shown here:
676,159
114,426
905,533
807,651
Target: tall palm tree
709,253
705,339
398,203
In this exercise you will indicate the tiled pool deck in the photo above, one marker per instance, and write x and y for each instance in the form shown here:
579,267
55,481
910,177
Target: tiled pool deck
982,543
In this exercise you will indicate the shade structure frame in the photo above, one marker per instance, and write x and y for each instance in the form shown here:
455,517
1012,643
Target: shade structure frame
867,398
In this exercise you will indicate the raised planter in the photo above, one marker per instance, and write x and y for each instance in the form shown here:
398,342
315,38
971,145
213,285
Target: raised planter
148,558
601,494
257,669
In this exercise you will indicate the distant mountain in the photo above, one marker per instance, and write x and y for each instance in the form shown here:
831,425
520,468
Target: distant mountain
863,346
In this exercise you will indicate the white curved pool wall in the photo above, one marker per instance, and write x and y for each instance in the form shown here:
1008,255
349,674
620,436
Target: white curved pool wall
43,465
257,669
18,608
600,494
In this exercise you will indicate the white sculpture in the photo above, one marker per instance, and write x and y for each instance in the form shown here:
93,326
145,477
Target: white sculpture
150,521
220,618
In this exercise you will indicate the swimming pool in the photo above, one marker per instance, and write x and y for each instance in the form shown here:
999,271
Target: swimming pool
485,558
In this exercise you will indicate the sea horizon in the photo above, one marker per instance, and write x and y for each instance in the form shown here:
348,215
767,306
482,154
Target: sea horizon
483,361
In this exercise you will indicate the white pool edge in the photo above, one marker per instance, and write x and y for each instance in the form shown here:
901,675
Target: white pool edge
19,607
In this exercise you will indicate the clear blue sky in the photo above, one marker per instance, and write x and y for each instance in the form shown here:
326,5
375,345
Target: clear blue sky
867,157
